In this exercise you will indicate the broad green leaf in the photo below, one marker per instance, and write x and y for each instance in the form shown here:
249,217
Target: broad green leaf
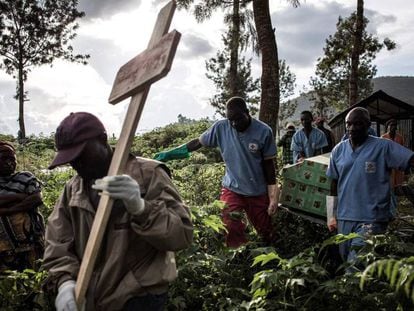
394,274
214,222
265,258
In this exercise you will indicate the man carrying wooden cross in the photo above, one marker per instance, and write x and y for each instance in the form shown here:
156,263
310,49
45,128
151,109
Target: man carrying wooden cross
147,224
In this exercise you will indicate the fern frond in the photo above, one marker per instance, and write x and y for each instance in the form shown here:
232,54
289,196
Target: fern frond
398,273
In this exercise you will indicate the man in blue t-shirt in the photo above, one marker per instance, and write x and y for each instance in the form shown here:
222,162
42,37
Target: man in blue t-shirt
309,141
249,184
360,171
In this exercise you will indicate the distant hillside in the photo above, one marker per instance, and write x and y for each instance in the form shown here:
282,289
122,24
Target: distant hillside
398,87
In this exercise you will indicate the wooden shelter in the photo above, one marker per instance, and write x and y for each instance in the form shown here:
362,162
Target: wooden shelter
381,107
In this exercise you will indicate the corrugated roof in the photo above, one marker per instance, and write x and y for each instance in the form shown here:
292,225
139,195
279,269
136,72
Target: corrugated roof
381,107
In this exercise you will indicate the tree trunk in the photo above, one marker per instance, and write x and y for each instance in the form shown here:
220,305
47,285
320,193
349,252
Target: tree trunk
234,50
20,97
269,104
356,50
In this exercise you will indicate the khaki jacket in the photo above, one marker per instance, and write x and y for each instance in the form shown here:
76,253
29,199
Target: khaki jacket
136,256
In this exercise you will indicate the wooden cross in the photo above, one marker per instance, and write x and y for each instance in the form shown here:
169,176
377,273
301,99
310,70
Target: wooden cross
133,79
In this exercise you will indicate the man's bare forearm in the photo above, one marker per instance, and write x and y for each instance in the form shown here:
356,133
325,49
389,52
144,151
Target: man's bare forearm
28,203
194,145
7,199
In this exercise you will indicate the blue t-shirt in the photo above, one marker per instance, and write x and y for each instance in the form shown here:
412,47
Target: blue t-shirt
300,143
364,177
243,153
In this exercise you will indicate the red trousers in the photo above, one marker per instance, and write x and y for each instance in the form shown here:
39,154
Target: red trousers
256,211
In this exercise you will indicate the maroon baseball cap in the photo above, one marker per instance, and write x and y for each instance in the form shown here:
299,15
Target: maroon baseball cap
73,134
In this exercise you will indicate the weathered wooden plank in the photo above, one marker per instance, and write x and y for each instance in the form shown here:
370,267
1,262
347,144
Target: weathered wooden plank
146,68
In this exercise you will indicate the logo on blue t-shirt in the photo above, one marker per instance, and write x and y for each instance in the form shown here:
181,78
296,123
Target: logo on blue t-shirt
370,167
253,147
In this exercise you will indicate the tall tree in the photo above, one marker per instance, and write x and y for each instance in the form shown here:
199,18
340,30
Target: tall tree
319,97
230,72
270,96
356,51
249,88
220,72
333,70
287,82
234,48
35,33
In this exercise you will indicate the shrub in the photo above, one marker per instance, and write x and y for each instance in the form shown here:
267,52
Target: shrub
299,271
23,291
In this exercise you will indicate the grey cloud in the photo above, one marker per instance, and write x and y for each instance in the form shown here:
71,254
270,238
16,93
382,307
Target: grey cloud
301,32
179,102
7,91
105,8
39,123
194,45
376,19
6,129
106,58
158,2
44,119
8,108
35,122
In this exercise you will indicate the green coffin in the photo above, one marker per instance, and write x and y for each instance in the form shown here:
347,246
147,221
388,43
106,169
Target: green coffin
305,186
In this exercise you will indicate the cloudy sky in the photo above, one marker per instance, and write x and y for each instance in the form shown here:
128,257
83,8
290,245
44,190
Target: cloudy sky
114,31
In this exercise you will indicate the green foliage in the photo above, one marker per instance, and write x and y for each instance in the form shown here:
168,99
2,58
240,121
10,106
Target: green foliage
53,184
35,33
331,84
287,81
35,154
211,276
399,274
287,85
230,73
295,234
390,258
299,271
303,271
23,291
8,138
219,72
203,10
170,136
303,282
199,184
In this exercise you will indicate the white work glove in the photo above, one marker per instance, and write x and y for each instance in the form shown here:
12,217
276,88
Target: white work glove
65,299
331,208
122,187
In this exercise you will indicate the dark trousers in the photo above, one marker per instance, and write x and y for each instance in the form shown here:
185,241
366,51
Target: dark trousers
348,249
148,302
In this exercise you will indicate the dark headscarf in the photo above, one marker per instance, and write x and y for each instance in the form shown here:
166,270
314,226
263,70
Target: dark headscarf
387,124
6,147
